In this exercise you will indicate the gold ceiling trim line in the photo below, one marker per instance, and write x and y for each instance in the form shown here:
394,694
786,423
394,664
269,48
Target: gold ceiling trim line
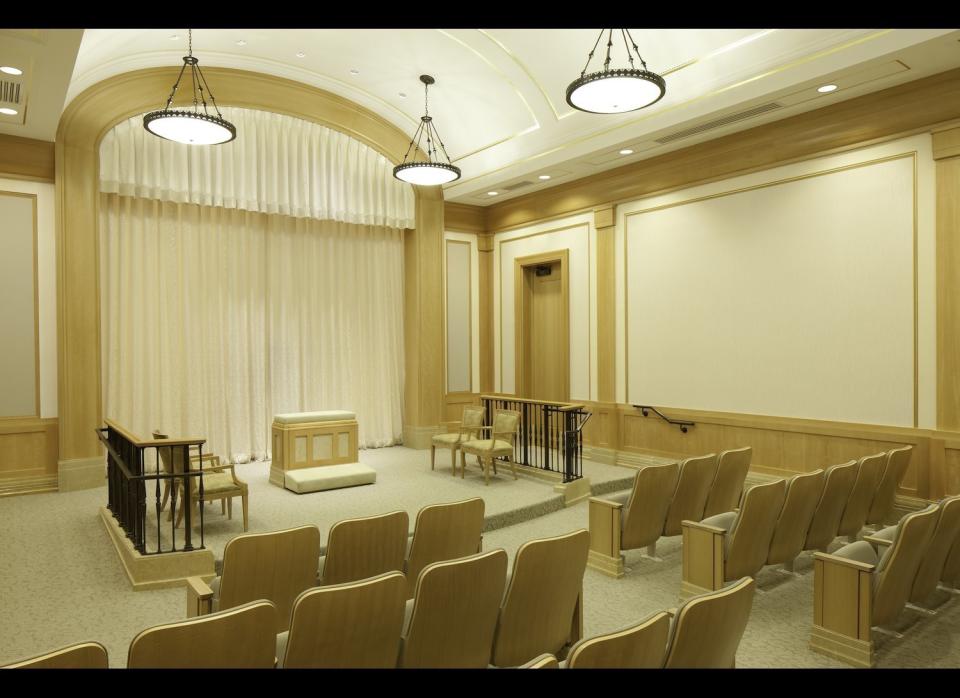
773,71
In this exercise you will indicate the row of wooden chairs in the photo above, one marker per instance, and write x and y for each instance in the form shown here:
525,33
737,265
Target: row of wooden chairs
468,439
780,519
459,617
663,496
279,565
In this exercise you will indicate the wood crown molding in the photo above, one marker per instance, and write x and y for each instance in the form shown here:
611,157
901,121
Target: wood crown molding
464,218
909,107
946,144
27,158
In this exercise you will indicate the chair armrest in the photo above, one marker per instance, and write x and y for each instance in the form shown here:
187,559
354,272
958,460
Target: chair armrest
844,562
878,543
199,597
672,611
606,503
703,527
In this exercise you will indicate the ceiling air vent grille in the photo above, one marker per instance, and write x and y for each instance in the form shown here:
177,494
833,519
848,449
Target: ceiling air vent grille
722,121
9,92
517,185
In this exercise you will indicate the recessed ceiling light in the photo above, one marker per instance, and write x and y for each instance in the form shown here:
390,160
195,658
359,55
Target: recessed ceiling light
626,151
10,70
544,177
8,111
241,42
492,193
403,94
300,54
174,37
354,71
826,88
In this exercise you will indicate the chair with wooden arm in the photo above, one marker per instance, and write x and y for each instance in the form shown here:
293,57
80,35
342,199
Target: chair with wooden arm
276,566
506,424
707,628
86,655
837,485
453,614
951,568
861,496
543,607
640,646
856,588
803,494
631,520
732,545
219,482
727,487
469,430
690,497
898,460
544,661
243,637
355,625
443,532
365,547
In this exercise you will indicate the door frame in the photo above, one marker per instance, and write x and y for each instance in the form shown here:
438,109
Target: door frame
520,299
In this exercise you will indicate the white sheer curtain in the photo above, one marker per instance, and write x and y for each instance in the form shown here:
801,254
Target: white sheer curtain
216,319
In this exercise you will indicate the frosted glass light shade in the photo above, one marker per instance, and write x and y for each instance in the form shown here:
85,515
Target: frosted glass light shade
190,128
615,91
426,173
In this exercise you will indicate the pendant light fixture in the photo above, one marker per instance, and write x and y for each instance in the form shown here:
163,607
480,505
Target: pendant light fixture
196,127
619,90
426,172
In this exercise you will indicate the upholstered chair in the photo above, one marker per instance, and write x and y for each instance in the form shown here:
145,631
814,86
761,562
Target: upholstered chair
688,501
803,495
542,611
857,588
898,460
861,496
86,655
243,637
469,430
640,646
443,532
837,485
346,626
454,611
219,482
732,468
365,547
506,424
707,628
735,544
276,566
630,520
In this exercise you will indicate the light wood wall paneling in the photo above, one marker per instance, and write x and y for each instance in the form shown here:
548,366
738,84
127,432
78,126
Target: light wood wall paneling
946,149
464,218
28,455
84,123
27,158
485,251
898,110
604,220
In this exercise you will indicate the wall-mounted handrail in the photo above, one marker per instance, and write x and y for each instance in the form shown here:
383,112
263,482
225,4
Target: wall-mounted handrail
682,423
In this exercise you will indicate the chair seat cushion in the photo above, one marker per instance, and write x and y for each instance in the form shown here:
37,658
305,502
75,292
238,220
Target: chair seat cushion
724,520
888,533
484,445
305,417
446,439
214,483
328,477
861,551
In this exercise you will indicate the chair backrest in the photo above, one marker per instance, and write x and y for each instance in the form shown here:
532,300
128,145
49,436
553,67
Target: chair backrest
646,510
366,547
171,459
86,655
951,568
826,519
690,497
506,422
455,613
707,628
945,536
275,566
347,626
749,540
732,467
898,460
896,570
544,661
861,496
803,494
538,611
444,532
244,637
472,417
641,646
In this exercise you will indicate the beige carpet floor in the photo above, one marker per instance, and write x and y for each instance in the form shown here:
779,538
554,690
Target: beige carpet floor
61,582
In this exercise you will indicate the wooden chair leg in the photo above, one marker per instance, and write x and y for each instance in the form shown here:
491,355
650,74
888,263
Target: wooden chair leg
463,464
229,501
166,495
243,498
513,467
453,461
223,506
486,471
433,457
493,462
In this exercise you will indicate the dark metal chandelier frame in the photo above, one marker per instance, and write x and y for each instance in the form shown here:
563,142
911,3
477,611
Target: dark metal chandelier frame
429,131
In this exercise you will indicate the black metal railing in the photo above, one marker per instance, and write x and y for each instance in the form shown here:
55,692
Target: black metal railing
550,436
129,482
682,423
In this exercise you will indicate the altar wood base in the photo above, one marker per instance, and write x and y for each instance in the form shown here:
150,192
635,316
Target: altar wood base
159,571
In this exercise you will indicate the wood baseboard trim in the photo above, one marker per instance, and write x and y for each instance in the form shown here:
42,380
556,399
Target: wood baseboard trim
28,485
81,474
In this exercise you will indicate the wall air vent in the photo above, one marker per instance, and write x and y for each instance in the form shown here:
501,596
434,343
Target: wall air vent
722,121
9,92
517,185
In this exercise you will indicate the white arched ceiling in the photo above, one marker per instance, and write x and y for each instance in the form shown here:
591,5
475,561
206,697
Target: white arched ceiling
499,101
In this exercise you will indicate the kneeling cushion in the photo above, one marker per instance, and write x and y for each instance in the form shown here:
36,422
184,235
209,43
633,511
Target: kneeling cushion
329,477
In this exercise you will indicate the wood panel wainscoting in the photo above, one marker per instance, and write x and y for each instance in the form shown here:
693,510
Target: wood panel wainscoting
453,404
782,446
28,455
